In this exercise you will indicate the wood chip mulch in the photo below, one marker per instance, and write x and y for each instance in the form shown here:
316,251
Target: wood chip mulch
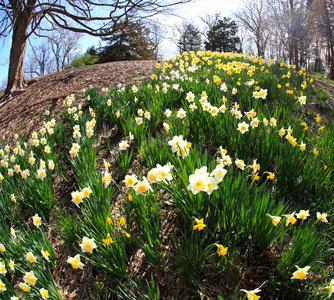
22,113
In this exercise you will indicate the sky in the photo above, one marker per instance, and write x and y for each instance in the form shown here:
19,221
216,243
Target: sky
190,12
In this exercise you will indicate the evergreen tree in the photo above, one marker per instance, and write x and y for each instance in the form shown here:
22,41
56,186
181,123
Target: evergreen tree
190,39
222,37
130,43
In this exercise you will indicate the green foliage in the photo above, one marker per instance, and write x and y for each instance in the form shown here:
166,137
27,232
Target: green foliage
130,42
190,39
84,60
222,37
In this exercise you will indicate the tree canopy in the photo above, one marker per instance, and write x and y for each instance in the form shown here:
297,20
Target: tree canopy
190,39
222,36
130,43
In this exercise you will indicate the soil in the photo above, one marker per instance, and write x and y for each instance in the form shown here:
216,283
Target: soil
22,113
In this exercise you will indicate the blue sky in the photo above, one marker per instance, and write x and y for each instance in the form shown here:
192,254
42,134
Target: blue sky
191,12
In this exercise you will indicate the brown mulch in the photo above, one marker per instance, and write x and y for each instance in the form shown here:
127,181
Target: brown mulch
22,113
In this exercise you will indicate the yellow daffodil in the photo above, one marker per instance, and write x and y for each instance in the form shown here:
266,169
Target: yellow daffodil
200,224
221,250
256,176
290,219
108,240
271,175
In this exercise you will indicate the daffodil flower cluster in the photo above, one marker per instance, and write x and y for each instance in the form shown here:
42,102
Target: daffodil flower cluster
202,181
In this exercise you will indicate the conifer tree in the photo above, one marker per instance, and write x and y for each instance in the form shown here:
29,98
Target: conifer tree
222,36
190,39
130,43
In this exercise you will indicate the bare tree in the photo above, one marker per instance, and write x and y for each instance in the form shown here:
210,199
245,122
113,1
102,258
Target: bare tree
156,36
254,18
39,61
292,24
64,45
95,17
325,24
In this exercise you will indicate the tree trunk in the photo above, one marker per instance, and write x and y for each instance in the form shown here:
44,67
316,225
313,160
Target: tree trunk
331,74
16,78
296,55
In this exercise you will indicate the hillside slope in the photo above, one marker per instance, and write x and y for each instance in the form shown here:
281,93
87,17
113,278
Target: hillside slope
22,112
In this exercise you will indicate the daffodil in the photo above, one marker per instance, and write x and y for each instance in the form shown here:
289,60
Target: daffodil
240,164
44,293
108,240
302,100
45,254
271,175
199,224
251,295
302,146
75,262
86,191
11,265
123,145
243,127
181,113
190,97
36,220
301,273
274,219
30,257
41,174
303,214
13,232
87,245
221,250
290,219
142,187
24,286
219,172
198,182
2,286
30,278
330,288
77,197
3,270
322,217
